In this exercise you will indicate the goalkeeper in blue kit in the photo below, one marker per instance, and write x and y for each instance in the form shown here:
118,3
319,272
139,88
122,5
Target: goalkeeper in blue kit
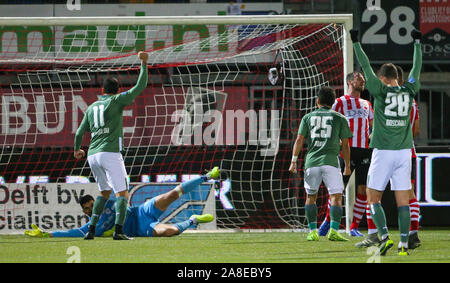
142,220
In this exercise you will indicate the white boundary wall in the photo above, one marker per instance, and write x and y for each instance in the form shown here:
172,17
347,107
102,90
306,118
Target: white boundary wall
50,206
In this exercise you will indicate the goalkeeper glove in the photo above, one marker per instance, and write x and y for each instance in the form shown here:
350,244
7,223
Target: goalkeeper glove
416,35
36,232
354,35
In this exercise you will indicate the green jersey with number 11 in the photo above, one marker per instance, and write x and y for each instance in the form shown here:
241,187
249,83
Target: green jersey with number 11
392,105
104,118
323,129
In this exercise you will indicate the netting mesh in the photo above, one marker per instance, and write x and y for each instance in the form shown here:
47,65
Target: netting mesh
208,103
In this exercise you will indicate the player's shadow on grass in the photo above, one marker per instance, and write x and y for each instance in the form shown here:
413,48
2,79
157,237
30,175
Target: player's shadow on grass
21,240
338,251
259,242
322,255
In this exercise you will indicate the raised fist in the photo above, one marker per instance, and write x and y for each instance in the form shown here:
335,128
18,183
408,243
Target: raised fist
416,34
143,56
354,35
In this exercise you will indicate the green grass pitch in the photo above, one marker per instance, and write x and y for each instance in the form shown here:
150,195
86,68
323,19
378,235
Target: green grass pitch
252,247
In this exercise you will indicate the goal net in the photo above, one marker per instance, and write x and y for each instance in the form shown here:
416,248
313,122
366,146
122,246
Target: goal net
209,102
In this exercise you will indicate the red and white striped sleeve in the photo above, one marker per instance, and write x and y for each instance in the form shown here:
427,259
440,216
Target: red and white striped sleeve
413,118
370,111
337,106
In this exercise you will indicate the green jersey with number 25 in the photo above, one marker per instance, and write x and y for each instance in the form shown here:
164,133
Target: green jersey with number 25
392,105
323,130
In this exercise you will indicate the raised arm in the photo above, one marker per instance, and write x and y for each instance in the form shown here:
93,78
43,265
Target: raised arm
372,82
414,74
364,62
417,62
128,97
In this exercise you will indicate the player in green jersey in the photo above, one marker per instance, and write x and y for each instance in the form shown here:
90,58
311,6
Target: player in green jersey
326,132
103,119
391,139
414,207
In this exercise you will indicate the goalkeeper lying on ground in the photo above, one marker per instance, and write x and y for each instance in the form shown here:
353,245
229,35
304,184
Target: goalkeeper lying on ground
142,220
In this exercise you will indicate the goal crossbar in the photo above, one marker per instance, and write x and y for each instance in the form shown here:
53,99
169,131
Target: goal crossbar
345,19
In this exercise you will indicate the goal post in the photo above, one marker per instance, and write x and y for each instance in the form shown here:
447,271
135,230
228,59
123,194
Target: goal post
209,101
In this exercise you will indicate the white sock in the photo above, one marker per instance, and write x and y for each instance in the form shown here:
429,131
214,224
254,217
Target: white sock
194,220
179,190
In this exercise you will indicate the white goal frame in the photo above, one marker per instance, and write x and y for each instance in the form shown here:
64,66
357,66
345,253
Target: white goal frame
345,19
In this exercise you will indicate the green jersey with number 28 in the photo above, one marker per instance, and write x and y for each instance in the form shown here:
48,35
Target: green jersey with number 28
392,105
323,129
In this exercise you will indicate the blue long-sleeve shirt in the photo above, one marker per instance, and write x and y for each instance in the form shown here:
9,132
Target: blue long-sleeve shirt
106,222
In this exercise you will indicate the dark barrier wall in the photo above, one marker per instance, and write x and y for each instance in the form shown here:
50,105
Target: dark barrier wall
432,179
432,191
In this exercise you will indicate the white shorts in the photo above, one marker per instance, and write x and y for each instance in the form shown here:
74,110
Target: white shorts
109,171
390,165
330,175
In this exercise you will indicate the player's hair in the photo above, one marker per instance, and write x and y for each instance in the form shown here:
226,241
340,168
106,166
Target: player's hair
85,199
110,85
326,96
351,76
389,71
400,74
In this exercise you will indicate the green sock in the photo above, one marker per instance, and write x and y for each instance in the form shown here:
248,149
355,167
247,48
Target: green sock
311,215
404,221
335,217
97,210
379,218
121,210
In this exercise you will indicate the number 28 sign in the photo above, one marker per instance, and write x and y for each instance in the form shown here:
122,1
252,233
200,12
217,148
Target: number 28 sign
386,28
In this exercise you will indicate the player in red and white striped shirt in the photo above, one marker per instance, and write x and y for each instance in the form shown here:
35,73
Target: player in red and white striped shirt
414,208
359,114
